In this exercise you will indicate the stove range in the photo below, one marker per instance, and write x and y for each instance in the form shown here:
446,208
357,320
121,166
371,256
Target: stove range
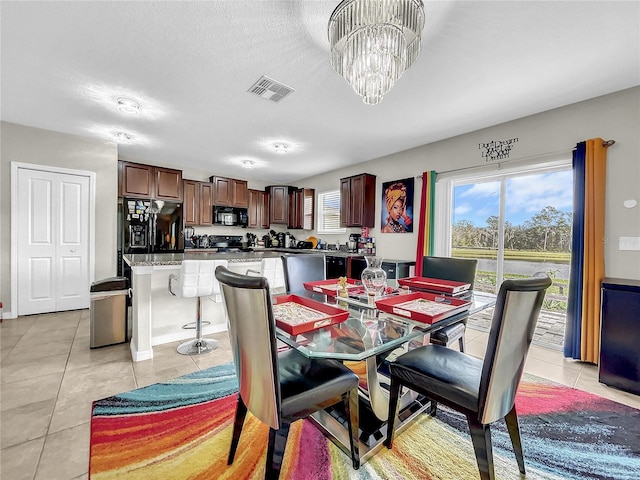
228,243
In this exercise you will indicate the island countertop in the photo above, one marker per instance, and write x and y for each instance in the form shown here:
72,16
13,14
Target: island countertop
157,259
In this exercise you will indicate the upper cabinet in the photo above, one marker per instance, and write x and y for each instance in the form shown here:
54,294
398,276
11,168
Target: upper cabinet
146,181
136,180
358,201
206,203
198,208
291,206
168,184
301,208
230,192
258,209
266,214
279,204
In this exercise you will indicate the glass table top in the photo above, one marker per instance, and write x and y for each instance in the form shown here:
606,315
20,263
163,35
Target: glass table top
367,331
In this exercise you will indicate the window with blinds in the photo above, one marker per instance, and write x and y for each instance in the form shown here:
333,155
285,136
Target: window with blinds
329,212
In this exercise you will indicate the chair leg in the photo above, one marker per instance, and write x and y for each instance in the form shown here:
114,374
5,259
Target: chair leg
481,438
462,343
275,450
433,407
352,412
394,393
241,413
514,432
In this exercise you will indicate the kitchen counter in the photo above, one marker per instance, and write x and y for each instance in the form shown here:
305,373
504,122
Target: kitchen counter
157,316
213,254
154,259
331,253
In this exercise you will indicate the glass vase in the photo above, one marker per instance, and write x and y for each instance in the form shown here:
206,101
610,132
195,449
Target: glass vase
374,278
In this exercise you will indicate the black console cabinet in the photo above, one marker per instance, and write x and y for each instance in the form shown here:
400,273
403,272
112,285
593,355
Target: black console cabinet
619,364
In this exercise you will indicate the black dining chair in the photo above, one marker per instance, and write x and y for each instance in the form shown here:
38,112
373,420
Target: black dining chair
457,270
484,390
302,267
278,388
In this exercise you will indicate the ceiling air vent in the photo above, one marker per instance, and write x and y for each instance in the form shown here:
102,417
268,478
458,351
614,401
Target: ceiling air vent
269,89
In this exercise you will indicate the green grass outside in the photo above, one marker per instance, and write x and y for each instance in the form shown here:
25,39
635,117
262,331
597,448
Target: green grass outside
524,255
556,294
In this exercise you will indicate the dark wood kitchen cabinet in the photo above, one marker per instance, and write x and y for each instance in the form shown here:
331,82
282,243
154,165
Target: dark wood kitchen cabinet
266,215
145,181
198,207
230,192
206,204
301,208
279,204
168,183
191,205
257,210
358,201
135,180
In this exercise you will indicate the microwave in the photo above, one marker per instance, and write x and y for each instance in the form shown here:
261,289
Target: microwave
230,216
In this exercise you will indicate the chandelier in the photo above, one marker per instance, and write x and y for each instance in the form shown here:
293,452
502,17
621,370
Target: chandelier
373,42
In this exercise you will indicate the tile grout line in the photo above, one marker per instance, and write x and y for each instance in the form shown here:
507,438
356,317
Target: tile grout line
55,404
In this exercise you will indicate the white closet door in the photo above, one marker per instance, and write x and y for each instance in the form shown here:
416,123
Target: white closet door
53,242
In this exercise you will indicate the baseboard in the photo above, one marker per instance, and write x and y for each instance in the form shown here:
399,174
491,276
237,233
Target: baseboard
140,356
187,334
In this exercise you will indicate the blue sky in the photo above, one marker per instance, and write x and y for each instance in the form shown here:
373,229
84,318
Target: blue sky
526,196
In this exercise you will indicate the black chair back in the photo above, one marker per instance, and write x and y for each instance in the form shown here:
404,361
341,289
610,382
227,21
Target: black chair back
514,320
253,341
301,268
448,268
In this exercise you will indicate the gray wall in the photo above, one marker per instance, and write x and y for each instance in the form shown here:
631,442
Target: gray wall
613,116
44,147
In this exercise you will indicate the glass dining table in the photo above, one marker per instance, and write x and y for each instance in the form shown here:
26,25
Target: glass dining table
366,342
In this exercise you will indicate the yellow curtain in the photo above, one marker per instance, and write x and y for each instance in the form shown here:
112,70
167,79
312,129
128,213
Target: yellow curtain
593,273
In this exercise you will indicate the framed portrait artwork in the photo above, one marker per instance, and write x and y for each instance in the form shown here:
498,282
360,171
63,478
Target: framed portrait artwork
397,206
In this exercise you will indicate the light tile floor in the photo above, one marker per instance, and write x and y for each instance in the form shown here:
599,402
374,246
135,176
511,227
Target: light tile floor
50,377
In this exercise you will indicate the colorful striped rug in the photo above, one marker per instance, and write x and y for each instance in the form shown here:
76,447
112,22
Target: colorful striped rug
181,429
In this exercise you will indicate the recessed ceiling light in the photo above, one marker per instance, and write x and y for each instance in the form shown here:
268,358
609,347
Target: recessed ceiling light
128,105
280,147
248,163
122,137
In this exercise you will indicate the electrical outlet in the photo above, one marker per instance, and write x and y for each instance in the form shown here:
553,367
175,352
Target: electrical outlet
629,243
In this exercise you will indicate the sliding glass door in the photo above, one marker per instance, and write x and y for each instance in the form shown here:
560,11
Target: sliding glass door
515,223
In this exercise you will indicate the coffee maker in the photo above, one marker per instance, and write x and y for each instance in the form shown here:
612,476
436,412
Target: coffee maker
352,244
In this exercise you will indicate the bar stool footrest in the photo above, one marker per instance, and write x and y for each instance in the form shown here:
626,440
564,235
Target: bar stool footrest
192,325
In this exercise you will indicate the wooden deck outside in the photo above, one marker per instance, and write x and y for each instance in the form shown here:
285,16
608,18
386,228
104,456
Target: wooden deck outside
549,331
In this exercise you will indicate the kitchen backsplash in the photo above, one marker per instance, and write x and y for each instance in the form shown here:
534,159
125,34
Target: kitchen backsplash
329,239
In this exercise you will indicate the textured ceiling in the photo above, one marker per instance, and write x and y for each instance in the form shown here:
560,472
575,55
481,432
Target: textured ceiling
190,65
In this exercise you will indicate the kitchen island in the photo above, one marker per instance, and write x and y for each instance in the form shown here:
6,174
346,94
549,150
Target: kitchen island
157,316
